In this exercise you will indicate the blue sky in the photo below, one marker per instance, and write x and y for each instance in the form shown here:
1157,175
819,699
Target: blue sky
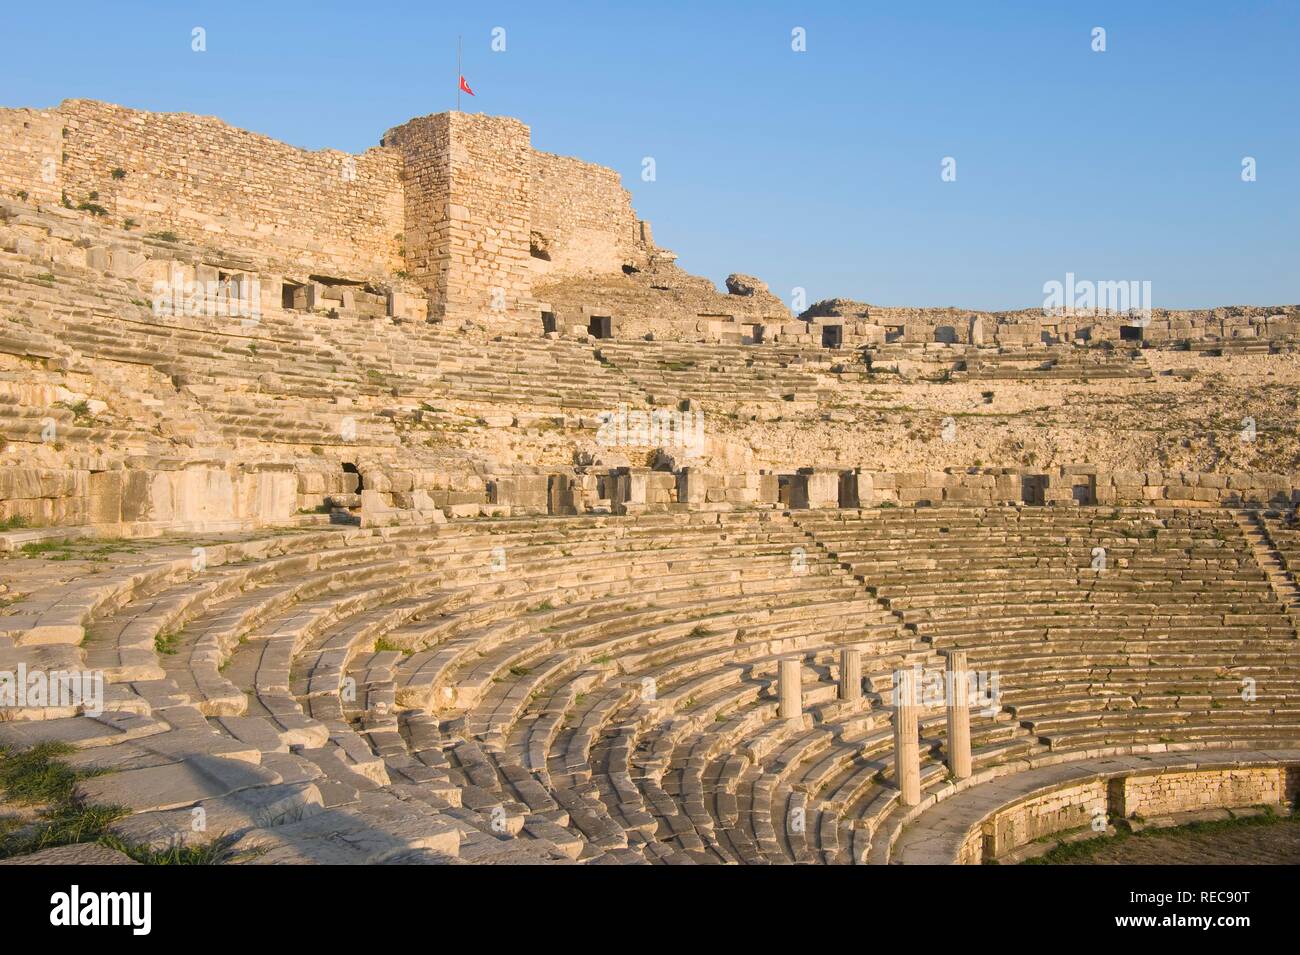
818,169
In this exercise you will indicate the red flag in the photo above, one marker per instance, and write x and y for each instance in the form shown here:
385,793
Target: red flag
465,86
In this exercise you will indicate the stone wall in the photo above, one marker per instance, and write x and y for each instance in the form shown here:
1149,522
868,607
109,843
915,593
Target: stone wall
466,212
1074,484
166,497
1070,807
635,489
453,199
871,324
31,150
1074,806
45,496
203,180
1171,793
170,495
581,218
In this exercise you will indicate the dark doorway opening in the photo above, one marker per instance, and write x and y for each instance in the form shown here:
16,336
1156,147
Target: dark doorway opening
601,326
1033,488
548,322
849,489
1130,333
784,489
832,336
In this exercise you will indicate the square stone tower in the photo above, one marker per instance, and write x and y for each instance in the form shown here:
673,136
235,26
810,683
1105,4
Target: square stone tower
467,182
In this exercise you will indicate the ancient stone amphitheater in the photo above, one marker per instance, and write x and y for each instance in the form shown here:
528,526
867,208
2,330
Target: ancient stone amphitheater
416,507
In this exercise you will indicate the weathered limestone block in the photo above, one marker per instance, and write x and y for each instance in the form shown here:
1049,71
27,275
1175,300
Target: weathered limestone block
913,495
208,494
311,482
527,491
266,496
692,485
661,488
377,509
125,263
106,497
815,488
403,305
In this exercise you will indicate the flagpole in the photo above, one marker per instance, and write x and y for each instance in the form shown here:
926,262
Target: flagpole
459,73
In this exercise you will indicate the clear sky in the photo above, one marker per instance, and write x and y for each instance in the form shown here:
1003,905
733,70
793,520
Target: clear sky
818,169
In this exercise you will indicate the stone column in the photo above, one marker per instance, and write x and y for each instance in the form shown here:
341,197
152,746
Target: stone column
907,753
850,674
958,688
790,686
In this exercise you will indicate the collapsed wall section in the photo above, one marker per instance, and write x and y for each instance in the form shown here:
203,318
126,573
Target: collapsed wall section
581,219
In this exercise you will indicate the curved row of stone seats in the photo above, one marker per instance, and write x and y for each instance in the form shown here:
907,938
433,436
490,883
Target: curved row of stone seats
710,372
779,564
518,775
956,824
1154,641
1220,347
539,373
22,336
760,768
265,686
604,754
44,423
216,366
1053,362
1272,538
248,386
474,365
685,699
603,689
30,298
340,768
168,760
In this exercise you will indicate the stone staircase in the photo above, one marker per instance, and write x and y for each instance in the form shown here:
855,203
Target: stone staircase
609,694
1271,561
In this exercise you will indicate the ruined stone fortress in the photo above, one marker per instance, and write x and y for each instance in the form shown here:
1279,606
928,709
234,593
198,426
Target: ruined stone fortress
416,506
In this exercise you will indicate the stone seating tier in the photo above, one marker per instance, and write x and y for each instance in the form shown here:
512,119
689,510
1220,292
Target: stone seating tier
605,689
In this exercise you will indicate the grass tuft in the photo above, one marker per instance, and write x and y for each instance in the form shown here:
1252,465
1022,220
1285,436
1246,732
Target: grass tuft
38,777
1085,849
